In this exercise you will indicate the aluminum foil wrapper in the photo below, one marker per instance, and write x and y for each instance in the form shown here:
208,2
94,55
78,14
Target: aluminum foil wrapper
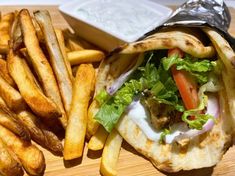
201,13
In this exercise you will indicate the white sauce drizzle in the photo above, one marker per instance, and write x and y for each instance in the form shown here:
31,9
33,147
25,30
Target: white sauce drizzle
138,114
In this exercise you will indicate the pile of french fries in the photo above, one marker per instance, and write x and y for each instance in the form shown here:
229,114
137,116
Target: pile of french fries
47,81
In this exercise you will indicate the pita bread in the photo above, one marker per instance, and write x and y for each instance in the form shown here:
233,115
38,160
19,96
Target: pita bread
205,150
227,55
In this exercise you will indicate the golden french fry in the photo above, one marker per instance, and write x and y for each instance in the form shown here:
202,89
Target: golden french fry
85,56
60,38
16,40
4,73
92,124
11,96
5,26
56,58
110,154
29,155
40,62
39,32
37,101
40,133
97,141
2,102
9,165
10,121
4,49
77,122
30,74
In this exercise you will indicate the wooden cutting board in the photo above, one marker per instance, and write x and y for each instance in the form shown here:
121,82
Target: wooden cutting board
130,162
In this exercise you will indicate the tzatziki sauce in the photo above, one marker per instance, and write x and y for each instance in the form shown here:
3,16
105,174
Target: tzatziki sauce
140,116
127,19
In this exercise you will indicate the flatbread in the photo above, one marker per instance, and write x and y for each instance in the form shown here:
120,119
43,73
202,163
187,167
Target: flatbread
205,150
227,55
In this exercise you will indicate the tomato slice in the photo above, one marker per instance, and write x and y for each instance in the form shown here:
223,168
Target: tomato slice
185,83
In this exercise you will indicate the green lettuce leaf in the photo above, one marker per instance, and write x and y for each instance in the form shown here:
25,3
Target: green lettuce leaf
102,97
199,119
196,67
111,111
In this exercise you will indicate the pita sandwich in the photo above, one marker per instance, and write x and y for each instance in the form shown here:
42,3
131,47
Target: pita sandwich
171,96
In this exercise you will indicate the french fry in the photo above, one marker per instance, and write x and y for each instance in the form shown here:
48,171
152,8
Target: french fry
77,122
60,38
40,62
9,165
97,141
11,96
56,57
2,102
29,155
4,49
16,40
10,121
92,125
5,26
37,101
39,32
30,74
110,154
40,133
4,73
85,56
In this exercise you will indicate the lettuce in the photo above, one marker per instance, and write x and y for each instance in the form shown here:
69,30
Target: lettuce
111,110
102,97
199,118
196,67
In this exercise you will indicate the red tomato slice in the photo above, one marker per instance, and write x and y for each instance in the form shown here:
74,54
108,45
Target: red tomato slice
185,83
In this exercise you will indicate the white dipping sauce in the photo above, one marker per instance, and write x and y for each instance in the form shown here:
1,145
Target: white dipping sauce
128,19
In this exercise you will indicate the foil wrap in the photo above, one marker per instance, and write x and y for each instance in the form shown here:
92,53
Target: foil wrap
201,13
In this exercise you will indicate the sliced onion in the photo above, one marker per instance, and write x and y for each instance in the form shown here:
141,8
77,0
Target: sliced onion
124,77
212,109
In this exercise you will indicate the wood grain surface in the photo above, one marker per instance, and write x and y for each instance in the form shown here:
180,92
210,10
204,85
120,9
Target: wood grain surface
130,162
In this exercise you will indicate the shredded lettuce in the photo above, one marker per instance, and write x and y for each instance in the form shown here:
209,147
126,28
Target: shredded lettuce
102,97
196,67
111,111
199,119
